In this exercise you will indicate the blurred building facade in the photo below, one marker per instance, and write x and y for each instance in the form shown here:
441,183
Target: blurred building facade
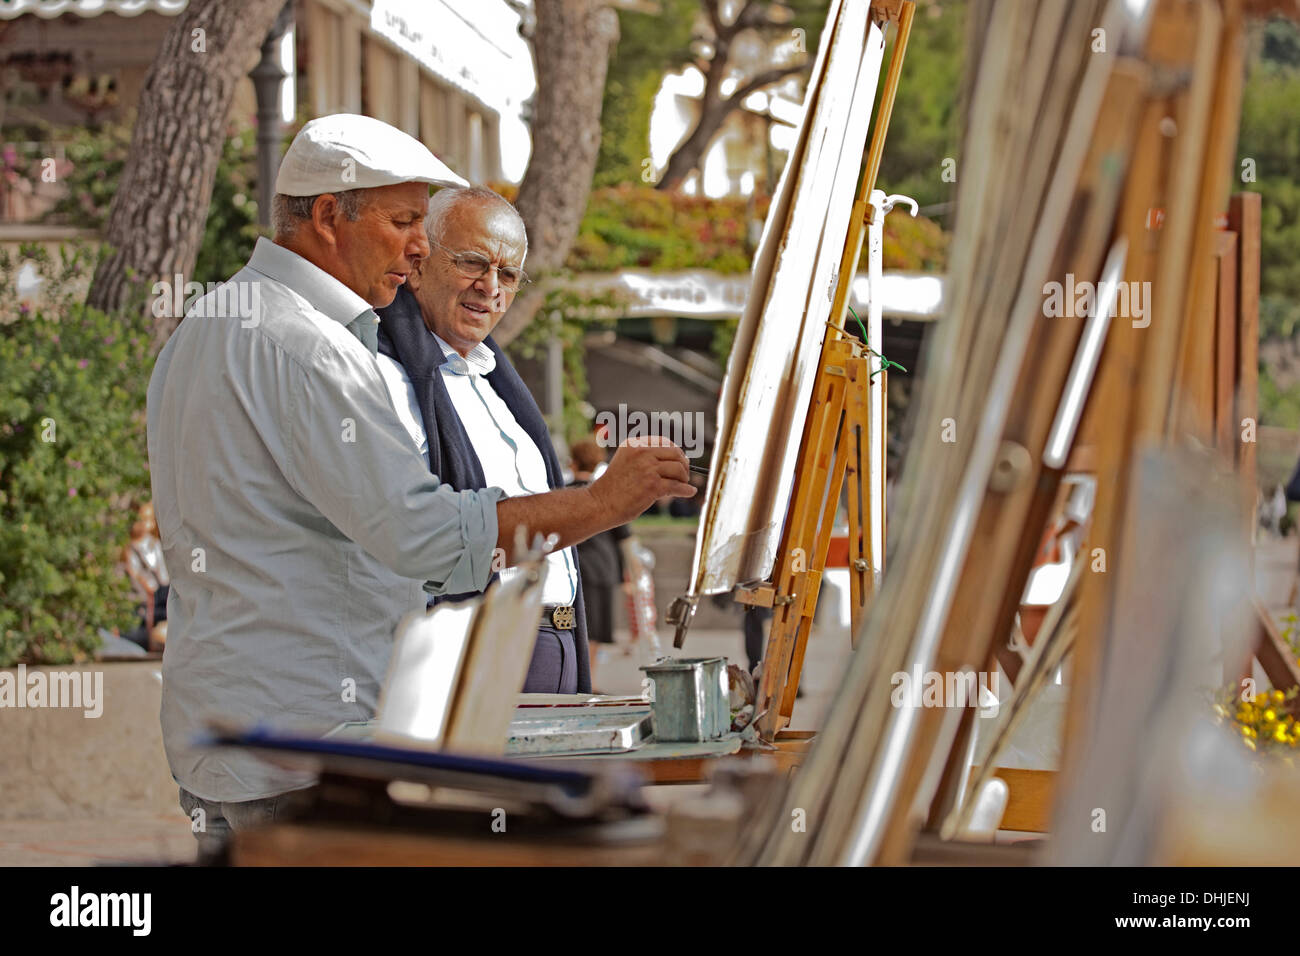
457,74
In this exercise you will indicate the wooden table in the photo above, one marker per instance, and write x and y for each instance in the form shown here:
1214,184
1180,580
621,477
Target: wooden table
638,842
337,844
791,747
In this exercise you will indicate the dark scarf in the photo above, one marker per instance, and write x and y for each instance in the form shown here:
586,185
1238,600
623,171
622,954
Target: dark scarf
404,338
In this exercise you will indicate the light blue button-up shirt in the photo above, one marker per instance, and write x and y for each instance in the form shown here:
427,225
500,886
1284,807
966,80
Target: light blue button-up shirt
297,520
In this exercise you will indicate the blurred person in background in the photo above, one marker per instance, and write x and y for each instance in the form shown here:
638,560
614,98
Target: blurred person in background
688,507
600,557
150,583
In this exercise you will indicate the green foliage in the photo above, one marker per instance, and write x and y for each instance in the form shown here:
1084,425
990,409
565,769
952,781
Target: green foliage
96,157
1279,317
724,337
1277,406
924,127
649,46
72,461
641,227
1270,141
556,318
1270,137
1280,42
911,244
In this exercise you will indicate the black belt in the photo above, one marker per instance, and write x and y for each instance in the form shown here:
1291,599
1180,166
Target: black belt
562,617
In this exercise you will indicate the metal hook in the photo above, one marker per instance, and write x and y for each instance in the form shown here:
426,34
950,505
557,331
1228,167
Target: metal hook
895,199
886,204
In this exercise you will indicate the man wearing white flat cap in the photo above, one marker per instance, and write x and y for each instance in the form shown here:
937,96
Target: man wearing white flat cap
298,517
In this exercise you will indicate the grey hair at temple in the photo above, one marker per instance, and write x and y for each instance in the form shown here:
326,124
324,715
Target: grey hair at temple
448,198
288,212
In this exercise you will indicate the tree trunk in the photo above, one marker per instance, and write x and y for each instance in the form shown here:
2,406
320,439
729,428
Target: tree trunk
572,44
155,224
687,156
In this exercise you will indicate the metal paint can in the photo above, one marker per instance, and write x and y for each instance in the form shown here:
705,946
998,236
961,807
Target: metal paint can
691,699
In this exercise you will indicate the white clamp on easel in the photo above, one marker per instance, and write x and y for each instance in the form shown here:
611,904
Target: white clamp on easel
881,206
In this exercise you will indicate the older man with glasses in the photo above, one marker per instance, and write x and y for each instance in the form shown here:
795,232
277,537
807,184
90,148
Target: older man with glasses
466,408
297,520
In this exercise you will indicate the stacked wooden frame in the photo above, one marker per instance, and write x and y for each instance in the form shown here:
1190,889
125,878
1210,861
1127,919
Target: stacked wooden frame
1083,118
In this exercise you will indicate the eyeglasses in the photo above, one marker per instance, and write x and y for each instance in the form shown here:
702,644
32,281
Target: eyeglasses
472,265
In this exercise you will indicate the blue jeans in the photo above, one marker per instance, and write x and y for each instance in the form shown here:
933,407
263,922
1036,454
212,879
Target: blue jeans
219,819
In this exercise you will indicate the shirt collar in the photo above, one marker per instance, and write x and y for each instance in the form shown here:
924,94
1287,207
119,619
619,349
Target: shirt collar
326,293
481,360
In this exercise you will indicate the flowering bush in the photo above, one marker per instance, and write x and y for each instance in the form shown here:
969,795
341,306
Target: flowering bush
640,227
72,461
643,228
1265,722
96,156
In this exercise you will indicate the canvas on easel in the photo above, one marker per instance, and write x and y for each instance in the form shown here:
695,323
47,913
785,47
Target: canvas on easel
802,414
770,374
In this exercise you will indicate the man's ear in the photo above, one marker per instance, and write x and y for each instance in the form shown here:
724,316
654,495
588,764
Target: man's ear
413,277
323,213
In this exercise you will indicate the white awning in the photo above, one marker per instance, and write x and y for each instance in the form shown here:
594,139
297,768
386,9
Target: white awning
710,295
49,9
473,46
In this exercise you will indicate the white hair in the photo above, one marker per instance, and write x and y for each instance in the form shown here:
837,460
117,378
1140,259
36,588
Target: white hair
445,200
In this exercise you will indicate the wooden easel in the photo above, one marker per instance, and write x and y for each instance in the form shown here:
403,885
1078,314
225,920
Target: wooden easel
839,427
841,420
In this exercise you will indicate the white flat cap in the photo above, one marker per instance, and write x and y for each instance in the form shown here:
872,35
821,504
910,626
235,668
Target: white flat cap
348,151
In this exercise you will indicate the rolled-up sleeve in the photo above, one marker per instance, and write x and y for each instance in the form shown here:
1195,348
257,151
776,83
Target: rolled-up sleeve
478,530
348,455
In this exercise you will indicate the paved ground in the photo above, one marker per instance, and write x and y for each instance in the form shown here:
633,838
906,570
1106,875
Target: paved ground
154,835
164,838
